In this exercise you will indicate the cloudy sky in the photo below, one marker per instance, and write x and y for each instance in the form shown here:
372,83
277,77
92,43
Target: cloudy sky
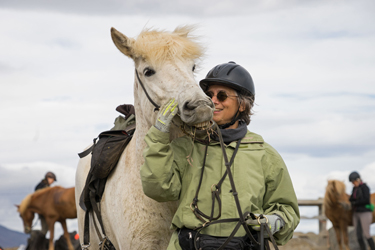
312,62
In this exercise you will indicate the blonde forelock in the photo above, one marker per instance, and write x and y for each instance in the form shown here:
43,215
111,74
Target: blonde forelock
158,46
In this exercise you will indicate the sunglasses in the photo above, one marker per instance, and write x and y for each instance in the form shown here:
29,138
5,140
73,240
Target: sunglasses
221,95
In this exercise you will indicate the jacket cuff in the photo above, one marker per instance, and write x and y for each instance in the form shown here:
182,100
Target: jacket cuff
157,136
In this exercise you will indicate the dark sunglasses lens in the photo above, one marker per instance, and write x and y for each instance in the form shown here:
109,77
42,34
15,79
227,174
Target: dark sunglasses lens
210,94
222,96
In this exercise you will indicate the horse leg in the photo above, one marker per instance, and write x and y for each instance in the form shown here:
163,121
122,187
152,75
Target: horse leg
66,235
51,227
338,236
344,230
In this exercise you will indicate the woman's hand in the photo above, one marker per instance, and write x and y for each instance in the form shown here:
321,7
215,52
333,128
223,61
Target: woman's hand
166,115
275,223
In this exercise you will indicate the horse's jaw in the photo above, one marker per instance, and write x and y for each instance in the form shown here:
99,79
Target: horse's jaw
199,130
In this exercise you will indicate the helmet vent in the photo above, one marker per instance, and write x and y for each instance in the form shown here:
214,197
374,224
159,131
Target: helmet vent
216,71
232,69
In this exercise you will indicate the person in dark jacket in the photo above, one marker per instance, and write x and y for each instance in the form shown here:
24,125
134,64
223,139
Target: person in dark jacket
49,178
362,211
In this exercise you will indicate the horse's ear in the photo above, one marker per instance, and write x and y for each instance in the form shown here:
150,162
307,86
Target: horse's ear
122,42
17,206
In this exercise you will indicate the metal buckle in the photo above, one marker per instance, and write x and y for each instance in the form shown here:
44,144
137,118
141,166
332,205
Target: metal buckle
83,246
261,217
191,207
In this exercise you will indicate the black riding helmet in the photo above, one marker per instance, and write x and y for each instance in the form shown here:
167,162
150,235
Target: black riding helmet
232,75
354,176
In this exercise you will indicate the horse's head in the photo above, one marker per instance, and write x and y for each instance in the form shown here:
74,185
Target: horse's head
27,217
165,64
335,194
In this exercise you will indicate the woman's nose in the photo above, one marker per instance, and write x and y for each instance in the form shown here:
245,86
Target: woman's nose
214,99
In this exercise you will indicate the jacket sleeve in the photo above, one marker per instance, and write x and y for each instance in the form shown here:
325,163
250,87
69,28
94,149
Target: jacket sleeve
363,196
280,197
160,175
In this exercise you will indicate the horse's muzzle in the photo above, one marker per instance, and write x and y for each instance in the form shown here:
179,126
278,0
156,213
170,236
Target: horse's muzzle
27,230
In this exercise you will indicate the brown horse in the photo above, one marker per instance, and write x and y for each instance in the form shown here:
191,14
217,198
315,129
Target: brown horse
55,204
338,210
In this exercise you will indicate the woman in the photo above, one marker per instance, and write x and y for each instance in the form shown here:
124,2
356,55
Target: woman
362,211
49,178
195,173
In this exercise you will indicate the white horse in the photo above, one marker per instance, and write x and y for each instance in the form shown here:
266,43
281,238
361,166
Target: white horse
165,63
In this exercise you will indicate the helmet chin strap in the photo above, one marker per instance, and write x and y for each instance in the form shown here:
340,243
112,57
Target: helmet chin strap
234,119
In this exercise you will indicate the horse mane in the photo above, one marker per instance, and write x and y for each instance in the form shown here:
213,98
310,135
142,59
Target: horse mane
26,201
333,186
157,46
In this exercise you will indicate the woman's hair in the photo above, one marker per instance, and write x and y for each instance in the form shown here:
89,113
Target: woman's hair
248,102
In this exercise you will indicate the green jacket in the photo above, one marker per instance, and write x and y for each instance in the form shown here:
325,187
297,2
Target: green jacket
172,170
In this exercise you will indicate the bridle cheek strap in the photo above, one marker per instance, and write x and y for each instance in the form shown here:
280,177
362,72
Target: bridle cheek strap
157,107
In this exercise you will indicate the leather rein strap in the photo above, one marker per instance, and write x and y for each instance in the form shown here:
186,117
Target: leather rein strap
157,107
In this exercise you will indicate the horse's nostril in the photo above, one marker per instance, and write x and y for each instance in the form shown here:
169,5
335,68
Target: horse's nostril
189,107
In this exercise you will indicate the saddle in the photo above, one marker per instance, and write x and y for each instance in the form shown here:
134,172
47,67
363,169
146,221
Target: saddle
106,152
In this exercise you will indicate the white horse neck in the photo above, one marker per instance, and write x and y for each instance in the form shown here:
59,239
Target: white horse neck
145,118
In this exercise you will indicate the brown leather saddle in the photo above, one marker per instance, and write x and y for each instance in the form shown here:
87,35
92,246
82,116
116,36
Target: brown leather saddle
106,152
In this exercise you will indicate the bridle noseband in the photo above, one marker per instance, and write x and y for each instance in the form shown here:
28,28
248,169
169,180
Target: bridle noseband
157,107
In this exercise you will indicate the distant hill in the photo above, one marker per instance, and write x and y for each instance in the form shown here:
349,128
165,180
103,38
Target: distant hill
10,238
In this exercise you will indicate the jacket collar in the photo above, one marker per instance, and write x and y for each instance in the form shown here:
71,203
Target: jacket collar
249,138
230,135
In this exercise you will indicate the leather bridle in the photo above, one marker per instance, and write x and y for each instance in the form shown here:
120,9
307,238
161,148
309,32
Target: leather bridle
157,107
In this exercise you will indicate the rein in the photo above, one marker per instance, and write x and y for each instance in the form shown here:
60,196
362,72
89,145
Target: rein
157,107
35,223
32,225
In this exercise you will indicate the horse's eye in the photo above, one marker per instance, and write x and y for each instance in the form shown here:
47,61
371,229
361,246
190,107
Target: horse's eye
148,72
194,68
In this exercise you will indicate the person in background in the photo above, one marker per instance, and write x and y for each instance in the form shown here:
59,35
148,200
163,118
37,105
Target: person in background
49,178
362,210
